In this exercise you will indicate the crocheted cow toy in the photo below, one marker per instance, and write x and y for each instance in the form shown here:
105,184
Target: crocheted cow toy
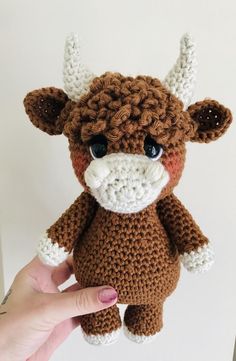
127,229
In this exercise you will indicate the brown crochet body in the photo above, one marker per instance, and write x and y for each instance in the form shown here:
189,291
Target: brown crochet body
130,252
136,253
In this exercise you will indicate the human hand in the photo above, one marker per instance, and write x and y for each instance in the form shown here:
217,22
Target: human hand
35,317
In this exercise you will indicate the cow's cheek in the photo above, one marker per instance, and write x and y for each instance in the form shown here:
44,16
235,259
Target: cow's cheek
173,162
80,161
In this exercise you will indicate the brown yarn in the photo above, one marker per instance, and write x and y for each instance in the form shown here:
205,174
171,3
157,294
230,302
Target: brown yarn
137,254
135,315
212,118
101,322
129,252
44,106
132,253
179,225
118,106
69,227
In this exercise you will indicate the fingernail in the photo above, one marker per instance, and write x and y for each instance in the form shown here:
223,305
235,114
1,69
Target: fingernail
107,295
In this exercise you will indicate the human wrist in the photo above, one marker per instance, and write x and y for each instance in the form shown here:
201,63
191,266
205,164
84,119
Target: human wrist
5,347
8,343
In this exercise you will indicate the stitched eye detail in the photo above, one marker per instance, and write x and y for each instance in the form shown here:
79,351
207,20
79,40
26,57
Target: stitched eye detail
152,149
98,146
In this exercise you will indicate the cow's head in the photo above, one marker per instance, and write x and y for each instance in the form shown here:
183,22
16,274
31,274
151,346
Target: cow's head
127,134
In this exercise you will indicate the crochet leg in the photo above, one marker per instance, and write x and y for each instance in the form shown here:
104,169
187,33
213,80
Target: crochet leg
143,322
102,327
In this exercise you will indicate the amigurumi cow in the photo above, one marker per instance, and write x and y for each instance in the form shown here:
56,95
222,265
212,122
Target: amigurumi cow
127,229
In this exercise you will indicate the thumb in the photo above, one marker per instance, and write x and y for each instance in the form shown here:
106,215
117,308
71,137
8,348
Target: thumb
62,306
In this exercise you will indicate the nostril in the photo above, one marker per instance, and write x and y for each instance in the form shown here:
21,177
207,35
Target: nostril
154,172
116,179
96,172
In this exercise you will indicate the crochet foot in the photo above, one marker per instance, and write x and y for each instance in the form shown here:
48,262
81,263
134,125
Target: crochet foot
106,339
141,339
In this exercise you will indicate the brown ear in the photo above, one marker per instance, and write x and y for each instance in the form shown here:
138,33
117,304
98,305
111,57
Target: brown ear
44,107
212,120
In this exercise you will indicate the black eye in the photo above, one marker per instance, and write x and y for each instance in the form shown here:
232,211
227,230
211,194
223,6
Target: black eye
152,149
98,146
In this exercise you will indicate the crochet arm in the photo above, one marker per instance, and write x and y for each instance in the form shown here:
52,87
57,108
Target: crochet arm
195,252
59,240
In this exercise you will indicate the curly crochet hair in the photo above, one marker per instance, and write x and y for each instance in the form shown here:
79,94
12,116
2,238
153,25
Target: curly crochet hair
118,106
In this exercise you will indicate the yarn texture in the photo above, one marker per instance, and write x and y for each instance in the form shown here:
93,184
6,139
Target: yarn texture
127,139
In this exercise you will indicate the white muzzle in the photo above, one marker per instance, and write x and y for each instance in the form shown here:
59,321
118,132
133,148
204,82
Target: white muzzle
125,183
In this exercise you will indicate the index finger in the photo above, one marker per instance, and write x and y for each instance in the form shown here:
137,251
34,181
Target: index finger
63,272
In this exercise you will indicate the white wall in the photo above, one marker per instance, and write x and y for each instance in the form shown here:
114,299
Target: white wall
1,274
37,179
